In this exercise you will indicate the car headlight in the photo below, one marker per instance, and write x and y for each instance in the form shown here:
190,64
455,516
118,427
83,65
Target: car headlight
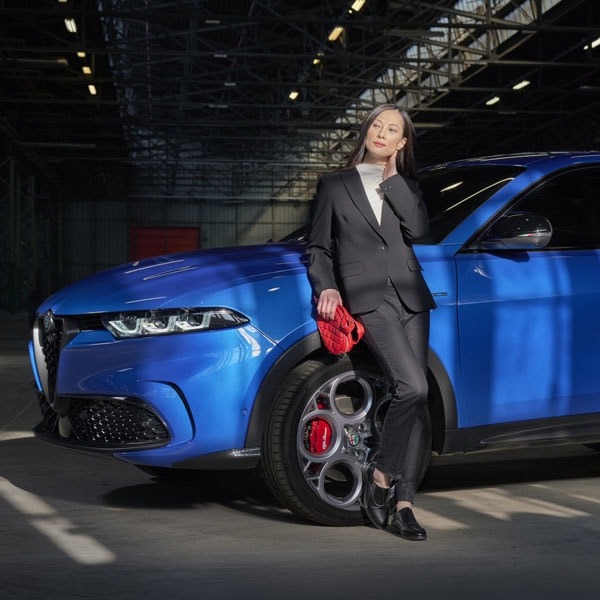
164,322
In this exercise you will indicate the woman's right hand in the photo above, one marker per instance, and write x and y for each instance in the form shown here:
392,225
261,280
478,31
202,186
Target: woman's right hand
329,300
390,168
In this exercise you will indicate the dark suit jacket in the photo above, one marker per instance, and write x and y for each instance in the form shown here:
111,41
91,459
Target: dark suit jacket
349,251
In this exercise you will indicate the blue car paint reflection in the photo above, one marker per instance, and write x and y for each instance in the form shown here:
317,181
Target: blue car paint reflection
533,315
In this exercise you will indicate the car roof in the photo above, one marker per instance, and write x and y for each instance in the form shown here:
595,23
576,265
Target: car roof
525,159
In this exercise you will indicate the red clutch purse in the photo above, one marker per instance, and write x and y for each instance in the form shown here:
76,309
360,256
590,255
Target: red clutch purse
342,333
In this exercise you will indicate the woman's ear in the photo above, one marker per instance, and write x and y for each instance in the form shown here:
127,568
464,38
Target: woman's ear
401,144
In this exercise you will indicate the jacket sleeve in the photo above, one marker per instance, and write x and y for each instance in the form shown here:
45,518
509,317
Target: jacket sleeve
320,243
406,200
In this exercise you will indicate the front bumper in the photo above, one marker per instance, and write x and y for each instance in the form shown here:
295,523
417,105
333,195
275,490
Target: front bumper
161,401
101,423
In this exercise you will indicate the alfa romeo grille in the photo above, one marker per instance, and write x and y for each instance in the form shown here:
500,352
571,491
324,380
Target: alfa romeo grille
51,331
51,334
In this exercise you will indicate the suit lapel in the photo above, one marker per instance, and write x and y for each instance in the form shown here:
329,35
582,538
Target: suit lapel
356,191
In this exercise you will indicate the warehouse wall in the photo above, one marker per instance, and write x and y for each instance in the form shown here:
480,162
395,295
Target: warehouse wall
96,234
29,235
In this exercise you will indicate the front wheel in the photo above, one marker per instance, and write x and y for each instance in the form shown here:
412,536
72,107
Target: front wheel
325,423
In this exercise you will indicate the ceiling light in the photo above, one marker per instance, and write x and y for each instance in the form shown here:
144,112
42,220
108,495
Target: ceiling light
595,43
92,89
86,70
293,95
521,84
62,1
71,25
335,33
81,54
357,5
493,101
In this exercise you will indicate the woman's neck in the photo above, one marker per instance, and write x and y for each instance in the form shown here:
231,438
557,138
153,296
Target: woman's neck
374,161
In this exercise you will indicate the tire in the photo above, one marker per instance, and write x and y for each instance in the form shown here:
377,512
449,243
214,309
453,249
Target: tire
324,425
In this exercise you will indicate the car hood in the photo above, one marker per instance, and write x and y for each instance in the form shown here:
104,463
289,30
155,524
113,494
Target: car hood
199,278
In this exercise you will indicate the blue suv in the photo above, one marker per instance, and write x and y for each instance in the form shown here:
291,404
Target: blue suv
212,360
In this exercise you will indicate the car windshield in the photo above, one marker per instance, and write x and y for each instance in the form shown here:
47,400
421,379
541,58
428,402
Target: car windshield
451,194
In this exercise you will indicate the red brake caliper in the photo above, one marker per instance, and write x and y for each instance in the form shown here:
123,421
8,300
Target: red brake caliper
320,435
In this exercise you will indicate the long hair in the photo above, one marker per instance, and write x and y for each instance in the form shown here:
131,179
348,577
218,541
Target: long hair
405,159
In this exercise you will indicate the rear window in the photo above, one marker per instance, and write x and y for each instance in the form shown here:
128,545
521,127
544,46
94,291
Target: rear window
451,194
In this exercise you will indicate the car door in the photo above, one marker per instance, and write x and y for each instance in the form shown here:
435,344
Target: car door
529,320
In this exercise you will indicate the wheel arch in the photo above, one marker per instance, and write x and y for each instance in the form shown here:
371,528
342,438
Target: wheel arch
442,402
302,350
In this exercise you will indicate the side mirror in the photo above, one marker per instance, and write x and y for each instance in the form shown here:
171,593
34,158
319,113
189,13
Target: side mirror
516,231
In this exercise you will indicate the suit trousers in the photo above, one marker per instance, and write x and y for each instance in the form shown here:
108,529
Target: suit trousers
399,340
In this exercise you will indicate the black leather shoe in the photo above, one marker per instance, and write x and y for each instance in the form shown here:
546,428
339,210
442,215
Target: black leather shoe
375,499
406,525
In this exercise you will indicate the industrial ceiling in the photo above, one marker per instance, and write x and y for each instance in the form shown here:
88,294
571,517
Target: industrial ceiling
222,100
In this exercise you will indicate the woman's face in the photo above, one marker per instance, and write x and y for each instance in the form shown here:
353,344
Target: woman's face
384,137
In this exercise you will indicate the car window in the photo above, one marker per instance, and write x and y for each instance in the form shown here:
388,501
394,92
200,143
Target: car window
571,203
451,194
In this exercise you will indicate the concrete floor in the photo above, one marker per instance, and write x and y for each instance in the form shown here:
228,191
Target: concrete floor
507,526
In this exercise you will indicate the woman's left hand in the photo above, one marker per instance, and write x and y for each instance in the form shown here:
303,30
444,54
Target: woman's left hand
390,168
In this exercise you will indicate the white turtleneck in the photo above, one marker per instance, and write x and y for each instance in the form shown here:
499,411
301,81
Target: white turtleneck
371,176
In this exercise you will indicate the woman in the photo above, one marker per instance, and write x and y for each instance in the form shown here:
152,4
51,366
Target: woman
361,256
